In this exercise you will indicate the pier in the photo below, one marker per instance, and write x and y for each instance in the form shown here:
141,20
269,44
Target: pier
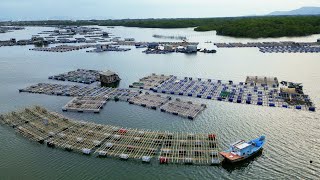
57,131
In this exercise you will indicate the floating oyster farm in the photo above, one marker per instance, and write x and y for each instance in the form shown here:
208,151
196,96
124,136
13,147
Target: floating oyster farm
261,91
57,131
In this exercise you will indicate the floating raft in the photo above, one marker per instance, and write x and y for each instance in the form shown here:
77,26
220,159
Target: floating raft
261,91
93,98
276,47
81,90
150,82
189,149
86,104
57,131
62,48
149,100
80,75
185,109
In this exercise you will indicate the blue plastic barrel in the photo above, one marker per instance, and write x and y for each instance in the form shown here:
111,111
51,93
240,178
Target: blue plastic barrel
312,109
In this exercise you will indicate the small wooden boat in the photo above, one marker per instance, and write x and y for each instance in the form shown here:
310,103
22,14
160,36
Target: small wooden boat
242,150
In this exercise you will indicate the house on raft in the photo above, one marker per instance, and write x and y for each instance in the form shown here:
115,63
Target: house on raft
109,78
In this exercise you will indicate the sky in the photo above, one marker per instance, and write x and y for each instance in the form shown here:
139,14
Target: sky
122,9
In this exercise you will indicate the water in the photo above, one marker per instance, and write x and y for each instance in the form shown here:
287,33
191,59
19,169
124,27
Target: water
292,136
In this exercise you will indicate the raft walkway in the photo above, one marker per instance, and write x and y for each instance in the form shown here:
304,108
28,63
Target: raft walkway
55,130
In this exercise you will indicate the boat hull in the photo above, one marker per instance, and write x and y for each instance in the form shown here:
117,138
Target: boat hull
241,158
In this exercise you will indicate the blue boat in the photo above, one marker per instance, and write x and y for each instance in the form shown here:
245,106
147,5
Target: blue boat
242,150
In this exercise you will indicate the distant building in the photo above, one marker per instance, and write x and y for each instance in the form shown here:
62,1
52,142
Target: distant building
153,45
191,49
108,78
168,48
129,39
105,34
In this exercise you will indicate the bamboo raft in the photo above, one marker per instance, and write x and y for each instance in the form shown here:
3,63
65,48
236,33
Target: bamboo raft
55,130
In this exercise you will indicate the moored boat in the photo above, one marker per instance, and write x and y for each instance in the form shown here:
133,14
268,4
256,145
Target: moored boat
242,150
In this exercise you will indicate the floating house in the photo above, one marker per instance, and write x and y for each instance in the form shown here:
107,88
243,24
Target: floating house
153,45
191,49
108,78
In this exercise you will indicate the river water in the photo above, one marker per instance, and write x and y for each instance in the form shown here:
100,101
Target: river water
293,137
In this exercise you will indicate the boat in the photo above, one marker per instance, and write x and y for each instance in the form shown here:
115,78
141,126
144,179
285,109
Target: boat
242,150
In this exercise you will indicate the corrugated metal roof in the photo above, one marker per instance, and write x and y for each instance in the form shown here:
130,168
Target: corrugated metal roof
108,73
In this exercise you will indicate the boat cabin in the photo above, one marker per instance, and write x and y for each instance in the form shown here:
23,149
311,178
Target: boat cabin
241,148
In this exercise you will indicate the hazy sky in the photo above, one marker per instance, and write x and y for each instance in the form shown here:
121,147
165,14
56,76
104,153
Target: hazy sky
118,9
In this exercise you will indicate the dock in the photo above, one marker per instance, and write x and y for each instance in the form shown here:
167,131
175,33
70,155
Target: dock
56,131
